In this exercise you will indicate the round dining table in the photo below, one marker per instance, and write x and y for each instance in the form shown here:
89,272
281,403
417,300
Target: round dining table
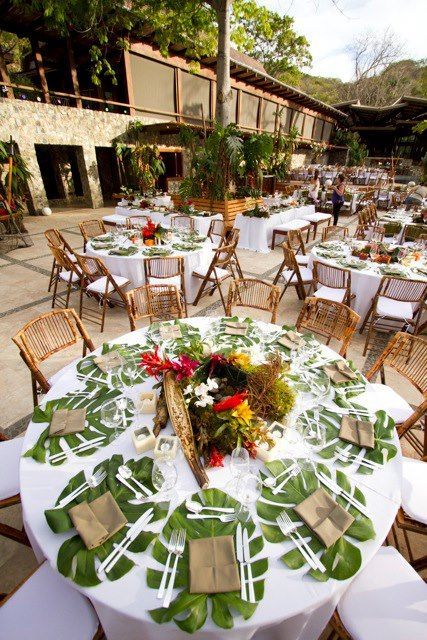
132,266
294,606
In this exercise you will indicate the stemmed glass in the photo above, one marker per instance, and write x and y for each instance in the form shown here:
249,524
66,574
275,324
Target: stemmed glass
130,371
110,416
239,462
164,476
248,490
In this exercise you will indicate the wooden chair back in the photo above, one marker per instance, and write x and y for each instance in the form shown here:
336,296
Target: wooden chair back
412,232
163,267
216,231
136,222
338,231
378,233
94,268
182,222
402,289
154,301
295,242
56,239
255,294
333,277
329,319
46,335
63,261
90,229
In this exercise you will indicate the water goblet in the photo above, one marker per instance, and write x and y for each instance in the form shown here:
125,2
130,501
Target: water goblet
111,417
164,476
248,490
239,462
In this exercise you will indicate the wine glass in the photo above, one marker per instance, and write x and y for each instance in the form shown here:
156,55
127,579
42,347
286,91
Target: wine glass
248,490
130,371
164,476
111,417
315,432
239,462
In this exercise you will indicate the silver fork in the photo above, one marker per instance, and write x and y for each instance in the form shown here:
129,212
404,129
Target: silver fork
179,550
289,528
224,517
92,482
344,456
171,549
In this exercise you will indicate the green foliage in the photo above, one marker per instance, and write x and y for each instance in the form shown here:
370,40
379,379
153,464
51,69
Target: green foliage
147,165
284,146
357,150
257,150
190,611
20,173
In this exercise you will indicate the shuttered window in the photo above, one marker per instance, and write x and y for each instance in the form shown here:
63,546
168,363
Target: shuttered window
248,110
153,87
195,92
308,127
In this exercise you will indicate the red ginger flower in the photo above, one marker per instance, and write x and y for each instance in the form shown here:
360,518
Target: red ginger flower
216,358
251,448
231,402
153,364
216,459
184,367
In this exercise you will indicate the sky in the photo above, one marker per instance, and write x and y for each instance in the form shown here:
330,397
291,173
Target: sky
329,32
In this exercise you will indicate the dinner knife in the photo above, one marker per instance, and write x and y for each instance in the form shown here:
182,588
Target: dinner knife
133,531
247,556
240,559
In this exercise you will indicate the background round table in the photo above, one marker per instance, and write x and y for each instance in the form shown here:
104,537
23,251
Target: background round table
132,267
201,223
294,607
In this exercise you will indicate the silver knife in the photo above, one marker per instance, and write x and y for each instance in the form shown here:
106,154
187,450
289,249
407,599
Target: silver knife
247,556
133,531
240,559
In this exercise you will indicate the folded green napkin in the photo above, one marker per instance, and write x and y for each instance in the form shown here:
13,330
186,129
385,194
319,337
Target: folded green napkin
156,251
97,521
103,239
339,372
388,270
67,421
327,519
103,245
212,565
360,432
359,264
291,340
123,251
236,328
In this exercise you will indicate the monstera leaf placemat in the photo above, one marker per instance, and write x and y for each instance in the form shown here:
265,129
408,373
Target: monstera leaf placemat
343,559
175,346
90,372
190,611
77,562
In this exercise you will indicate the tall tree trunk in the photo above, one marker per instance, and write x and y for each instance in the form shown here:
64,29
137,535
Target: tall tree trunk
223,87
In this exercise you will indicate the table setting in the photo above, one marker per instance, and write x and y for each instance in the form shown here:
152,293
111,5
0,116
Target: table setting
162,215
124,250
222,457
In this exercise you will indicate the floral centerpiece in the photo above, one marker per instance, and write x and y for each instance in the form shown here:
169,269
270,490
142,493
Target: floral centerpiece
259,211
187,208
149,232
230,399
377,252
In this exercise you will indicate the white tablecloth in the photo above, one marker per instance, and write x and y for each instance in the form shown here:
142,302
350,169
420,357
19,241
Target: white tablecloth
132,267
295,607
256,233
201,223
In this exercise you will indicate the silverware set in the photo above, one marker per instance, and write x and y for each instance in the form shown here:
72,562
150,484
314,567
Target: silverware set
294,471
225,514
90,483
244,559
339,491
124,475
175,547
83,446
351,458
290,530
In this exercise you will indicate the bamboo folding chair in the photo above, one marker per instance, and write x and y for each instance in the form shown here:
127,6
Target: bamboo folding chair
182,222
167,270
154,301
337,231
44,336
90,229
55,239
292,274
66,272
332,283
232,237
98,282
397,300
360,232
12,451
329,319
377,233
295,242
254,294
412,232
136,222
216,232
216,273
392,228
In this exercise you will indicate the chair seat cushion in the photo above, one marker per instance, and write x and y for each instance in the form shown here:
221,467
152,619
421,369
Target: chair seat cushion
306,275
414,485
173,280
330,293
46,607
292,225
317,217
388,599
99,285
302,260
71,257
221,274
65,276
381,396
10,453
394,309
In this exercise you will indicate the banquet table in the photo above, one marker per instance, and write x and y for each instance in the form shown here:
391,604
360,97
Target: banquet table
364,282
294,607
256,233
201,223
132,267
404,218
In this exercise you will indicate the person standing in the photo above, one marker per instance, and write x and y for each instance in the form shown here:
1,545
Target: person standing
314,187
338,197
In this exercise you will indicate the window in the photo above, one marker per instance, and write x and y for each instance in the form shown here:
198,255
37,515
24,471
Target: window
248,110
327,130
318,126
298,121
195,92
269,115
308,127
153,87
286,119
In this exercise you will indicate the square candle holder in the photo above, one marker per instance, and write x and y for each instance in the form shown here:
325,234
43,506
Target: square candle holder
143,439
147,402
277,430
166,447
265,453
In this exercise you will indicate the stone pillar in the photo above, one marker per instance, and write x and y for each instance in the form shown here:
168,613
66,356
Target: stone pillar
88,167
35,185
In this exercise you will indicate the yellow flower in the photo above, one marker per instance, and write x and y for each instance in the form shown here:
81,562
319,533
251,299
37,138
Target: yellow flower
243,412
240,359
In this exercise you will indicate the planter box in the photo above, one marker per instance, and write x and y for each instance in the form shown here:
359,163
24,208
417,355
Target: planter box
227,208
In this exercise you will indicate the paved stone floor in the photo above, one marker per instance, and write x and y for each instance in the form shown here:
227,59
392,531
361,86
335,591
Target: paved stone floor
24,275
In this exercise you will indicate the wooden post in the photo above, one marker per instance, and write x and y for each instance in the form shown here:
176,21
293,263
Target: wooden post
129,82
73,73
238,106
259,115
4,75
40,69
178,94
9,175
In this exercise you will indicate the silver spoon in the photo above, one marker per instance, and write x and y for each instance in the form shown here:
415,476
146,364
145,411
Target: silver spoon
124,480
126,473
196,507
272,480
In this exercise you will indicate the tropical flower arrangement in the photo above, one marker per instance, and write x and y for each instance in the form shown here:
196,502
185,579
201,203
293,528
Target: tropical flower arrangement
149,232
231,399
382,253
257,212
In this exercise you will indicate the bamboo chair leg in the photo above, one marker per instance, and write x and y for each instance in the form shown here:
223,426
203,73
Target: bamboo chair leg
200,292
365,321
104,312
34,390
14,534
368,335
52,272
222,296
55,287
